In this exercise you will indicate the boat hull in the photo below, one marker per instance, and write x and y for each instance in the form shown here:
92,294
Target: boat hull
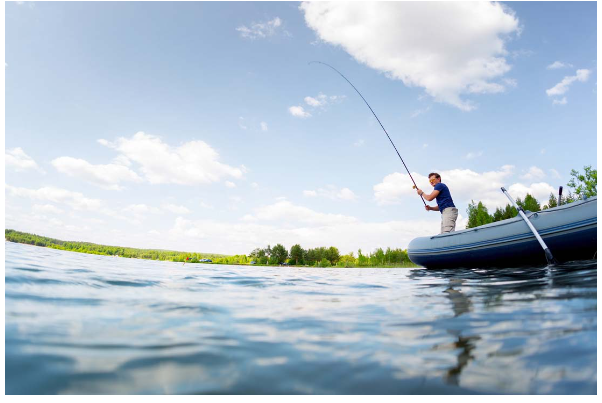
569,231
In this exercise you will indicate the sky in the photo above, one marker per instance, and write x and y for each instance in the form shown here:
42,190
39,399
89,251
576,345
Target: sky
201,126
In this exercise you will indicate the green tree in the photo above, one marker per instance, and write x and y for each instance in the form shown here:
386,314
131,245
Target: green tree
311,257
584,185
569,198
333,255
257,253
347,260
297,254
530,203
477,215
325,262
498,214
509,212
378,257
362,260
552,202
279,253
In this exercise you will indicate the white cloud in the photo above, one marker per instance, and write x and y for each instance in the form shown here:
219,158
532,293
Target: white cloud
465,185
177,209
230,184
320,100
141,209
533,174
522,53
419,112
261,29
510,82
332,192
554,173
30,4
106,176
241,123
191,163
17,159
345,194
205,205
359,143
447,48
562,101
299,112
264,126
558,65
63,197
541,190
284,211
562,87
288,224
46,209
474,155
122,160
75,200
105,143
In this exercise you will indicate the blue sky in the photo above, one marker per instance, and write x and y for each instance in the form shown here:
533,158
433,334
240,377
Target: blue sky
202,127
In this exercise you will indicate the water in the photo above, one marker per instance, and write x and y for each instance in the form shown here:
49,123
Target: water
85,324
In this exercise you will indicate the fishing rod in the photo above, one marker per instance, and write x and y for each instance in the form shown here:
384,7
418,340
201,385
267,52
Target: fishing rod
381,125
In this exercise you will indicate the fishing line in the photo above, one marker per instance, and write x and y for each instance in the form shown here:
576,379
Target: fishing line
381,125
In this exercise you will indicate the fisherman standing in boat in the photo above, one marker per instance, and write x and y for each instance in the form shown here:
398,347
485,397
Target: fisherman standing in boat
445,204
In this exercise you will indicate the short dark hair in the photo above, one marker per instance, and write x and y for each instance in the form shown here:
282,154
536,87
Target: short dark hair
435,174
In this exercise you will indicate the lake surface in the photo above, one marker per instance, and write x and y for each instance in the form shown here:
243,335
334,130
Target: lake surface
85,324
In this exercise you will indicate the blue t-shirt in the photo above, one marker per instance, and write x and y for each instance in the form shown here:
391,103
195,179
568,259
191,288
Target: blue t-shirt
444,199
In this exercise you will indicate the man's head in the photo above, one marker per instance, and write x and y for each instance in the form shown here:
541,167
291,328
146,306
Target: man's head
434,178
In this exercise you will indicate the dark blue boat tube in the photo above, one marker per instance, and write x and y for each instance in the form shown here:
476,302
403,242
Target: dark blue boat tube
570,231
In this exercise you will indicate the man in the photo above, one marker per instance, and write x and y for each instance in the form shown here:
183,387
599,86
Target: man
445,204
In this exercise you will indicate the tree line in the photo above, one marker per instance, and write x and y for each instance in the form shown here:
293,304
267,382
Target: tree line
327,257
583,185
322,257
96,249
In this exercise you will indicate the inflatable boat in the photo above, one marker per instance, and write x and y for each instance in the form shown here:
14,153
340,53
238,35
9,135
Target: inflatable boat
569,231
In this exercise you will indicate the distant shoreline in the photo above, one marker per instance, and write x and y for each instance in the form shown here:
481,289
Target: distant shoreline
155,254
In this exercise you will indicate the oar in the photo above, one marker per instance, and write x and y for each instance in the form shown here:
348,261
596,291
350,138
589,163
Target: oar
549,256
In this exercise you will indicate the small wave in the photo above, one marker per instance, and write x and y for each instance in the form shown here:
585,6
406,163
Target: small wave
123,283
57,300
27,269
32,280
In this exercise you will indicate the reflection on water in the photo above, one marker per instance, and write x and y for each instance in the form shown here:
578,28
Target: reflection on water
460,304
77,323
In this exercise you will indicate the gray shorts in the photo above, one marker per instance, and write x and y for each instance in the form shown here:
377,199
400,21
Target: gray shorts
448,219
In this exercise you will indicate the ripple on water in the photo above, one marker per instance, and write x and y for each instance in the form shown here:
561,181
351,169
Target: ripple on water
81,324
124,283
54,300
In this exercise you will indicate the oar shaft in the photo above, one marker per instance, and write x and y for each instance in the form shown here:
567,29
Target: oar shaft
547,251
